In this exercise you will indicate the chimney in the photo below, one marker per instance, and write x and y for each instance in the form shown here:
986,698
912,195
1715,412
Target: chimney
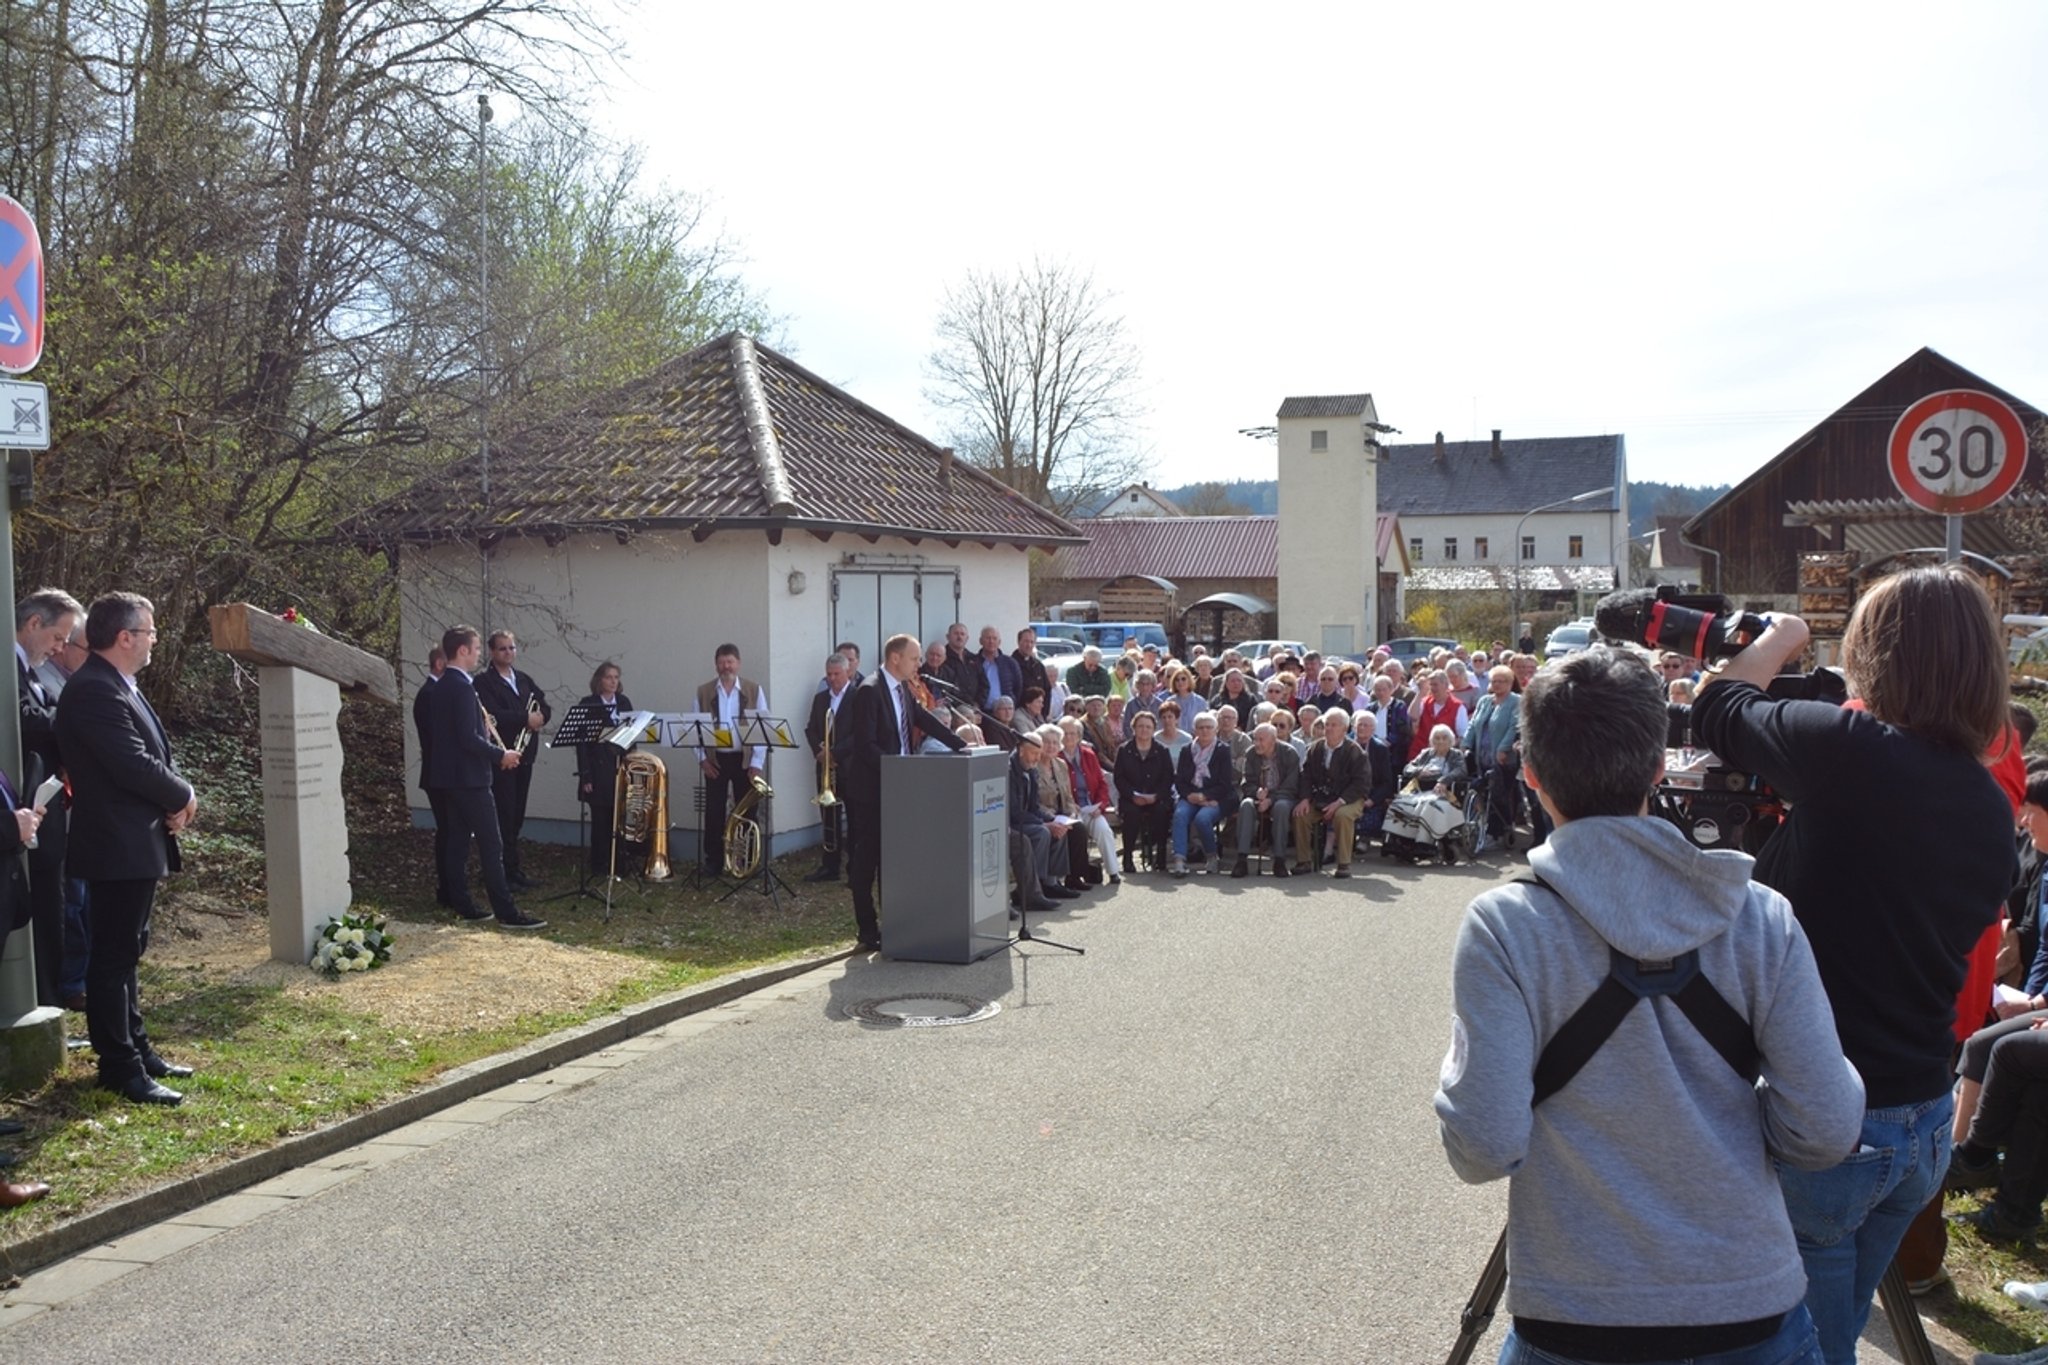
1496,443
1439,447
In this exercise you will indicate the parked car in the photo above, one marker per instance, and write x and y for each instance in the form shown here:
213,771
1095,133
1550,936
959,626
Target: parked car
1109,636
1057,649
1569,638
1417,646
1059,630
1255,650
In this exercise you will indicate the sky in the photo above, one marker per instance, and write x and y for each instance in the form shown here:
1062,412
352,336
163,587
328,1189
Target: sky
1702,227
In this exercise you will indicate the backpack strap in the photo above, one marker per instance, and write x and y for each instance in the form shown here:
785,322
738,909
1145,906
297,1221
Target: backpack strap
1629,980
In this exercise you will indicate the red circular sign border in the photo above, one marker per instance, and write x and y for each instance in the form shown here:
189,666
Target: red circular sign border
1990,404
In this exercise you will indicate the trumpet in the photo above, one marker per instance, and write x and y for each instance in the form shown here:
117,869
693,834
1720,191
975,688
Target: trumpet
490,725
526,735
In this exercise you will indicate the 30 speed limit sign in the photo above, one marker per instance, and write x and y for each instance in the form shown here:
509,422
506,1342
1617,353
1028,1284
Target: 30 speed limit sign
1957,451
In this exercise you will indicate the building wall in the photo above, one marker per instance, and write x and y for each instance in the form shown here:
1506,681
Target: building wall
659,606
1328,503
1606,538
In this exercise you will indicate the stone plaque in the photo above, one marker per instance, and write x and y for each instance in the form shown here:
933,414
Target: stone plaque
305,828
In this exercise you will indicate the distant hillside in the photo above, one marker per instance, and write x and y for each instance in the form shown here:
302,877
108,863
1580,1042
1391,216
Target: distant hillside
1646,499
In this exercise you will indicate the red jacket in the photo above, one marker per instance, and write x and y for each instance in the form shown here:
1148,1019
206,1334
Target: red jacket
1097,793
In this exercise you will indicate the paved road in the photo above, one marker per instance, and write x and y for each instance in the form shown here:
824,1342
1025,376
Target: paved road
1209,1139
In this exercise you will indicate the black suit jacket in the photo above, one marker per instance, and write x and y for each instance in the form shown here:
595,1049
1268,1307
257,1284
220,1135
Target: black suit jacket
123,779
41,757
15,910
420,726
460,754
868,728
599,763
507,704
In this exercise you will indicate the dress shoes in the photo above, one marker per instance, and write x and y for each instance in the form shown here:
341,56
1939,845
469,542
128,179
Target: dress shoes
1280,867
519,881
1077,885
867,945
143,1090
517,920
75,1002
473,915
159,1069
824,874
1054,891
1242,867
9,1127
13,1196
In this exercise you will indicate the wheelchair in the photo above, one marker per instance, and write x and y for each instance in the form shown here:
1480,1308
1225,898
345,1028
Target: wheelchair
1440,820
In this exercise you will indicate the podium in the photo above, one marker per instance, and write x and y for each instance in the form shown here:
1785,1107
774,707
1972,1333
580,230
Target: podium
945,856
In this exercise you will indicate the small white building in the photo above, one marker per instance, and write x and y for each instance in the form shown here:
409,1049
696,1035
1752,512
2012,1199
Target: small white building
1335,592
1477,513
1139,500
730,496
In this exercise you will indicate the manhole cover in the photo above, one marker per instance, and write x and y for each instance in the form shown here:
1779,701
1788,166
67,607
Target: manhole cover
932,1009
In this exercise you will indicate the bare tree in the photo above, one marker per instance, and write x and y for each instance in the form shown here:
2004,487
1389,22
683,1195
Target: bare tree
1211,500
1038,371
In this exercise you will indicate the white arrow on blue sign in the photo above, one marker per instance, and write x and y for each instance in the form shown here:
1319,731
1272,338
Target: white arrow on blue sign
21,291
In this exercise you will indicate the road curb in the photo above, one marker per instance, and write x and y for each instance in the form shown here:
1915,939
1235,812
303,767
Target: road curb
462,1083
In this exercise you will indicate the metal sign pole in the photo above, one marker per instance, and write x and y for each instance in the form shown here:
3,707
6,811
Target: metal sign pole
1955,538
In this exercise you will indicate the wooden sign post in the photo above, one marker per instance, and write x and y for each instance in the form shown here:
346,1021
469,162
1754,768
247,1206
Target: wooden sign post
305,827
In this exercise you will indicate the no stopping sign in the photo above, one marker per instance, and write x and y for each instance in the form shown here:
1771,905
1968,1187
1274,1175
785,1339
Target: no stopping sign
1957,451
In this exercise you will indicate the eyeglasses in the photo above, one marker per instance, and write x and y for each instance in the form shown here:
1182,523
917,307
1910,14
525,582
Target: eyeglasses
151,632
504,649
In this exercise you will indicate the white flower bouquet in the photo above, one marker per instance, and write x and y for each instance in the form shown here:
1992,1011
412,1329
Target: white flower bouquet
351,943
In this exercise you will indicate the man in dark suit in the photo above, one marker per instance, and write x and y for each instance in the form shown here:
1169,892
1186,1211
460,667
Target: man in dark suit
462,762
827,702
518,707
882,716
437,663
128,805
43,620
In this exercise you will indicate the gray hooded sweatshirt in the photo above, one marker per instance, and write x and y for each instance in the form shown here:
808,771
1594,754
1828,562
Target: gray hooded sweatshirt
1642,1194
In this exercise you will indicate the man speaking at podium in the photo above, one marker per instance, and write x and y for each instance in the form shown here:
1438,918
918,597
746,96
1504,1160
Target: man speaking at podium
881,717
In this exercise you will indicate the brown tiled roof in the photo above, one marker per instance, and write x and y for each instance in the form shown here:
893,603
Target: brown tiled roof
1337,405
730,436
1173,547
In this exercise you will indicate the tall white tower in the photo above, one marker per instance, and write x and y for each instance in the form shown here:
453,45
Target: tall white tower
1329,507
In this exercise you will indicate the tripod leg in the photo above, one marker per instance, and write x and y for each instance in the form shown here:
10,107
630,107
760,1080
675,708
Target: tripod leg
1477,1314
1907,1332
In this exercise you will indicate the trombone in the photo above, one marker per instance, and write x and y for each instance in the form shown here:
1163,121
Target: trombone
826,801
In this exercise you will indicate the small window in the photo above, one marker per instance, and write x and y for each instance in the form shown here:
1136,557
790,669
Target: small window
1479,547
1576,548
1319,440
1450,547
1415,547
1528,547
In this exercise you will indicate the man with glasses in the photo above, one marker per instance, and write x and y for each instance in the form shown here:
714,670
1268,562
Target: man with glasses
41,620
519,709
129,804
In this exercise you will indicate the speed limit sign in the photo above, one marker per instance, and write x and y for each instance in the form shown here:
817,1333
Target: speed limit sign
1957,451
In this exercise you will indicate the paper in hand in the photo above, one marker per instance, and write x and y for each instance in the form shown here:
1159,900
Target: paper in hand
51,786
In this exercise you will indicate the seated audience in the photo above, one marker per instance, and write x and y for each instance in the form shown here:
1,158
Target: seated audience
1207,790
1267,793
1144,777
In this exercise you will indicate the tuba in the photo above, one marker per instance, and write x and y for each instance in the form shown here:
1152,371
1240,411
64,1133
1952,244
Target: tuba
743,832
640,809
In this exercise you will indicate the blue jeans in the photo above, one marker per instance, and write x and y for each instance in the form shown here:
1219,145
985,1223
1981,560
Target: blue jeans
1851,1217
1204,819
1793,1344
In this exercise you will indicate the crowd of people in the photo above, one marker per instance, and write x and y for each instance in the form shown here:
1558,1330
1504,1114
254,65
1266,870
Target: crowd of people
1151,763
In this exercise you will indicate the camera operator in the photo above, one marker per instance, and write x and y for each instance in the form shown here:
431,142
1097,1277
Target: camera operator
1644,1222
1896,854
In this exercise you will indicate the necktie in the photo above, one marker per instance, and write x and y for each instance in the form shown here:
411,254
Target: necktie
903,714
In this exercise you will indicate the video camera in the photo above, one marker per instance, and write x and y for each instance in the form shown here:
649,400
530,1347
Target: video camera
1715,806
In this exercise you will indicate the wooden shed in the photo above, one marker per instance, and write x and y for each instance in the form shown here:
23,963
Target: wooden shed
1753,535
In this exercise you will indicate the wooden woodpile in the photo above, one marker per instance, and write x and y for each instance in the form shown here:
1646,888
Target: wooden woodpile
1827,589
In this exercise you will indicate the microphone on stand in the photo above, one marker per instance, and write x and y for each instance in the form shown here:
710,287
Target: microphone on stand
933,680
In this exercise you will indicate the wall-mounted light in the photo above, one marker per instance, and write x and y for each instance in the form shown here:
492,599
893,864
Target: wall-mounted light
797,582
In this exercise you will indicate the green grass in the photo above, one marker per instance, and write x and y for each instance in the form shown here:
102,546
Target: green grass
272,1064
1976,1308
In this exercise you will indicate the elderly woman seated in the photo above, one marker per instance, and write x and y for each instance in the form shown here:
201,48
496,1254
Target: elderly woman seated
1443,761
1004,712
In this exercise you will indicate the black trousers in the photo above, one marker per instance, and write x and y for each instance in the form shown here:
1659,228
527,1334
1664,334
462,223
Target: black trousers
437,802
863,864
1146,827
2012,1112
728,786
46,912
119,913
471,815
508,793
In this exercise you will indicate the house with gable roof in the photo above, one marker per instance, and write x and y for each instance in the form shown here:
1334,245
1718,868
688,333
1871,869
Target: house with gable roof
730,495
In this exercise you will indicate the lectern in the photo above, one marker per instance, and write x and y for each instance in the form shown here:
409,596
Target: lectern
945,856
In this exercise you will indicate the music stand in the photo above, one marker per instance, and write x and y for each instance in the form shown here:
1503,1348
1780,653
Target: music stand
696,730
583,724
771,732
